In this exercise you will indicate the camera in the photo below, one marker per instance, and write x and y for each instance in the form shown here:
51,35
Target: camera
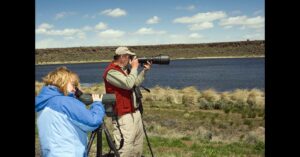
108,100
160,59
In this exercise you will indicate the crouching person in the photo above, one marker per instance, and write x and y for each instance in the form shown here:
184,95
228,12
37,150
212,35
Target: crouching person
62,120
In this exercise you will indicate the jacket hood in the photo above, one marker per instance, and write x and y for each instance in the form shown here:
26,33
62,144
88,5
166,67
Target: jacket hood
45,94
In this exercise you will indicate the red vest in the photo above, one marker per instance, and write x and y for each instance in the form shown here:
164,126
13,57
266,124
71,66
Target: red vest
124,101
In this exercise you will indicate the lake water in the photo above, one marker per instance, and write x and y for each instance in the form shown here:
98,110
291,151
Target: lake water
220,74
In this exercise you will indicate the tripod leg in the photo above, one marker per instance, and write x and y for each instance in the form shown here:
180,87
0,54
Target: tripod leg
147,139
92,136
110,142
99,142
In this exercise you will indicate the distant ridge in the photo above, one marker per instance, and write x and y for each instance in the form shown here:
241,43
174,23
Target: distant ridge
175,51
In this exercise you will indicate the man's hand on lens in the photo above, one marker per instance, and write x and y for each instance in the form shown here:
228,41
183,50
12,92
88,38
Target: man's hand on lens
134,63
96,97
147,66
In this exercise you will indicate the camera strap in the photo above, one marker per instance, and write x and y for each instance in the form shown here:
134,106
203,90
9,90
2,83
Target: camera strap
122,138
139,96
146,89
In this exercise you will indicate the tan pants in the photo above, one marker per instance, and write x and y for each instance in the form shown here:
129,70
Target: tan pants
132,130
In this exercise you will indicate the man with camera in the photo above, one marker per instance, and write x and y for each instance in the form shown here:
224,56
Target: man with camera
62,120
120,80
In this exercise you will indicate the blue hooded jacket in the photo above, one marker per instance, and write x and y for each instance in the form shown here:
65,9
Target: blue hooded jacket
63,123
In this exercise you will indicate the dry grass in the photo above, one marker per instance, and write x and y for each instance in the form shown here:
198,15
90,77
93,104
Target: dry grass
38,87
95,88
201,125
256,97
211,95
240,95
255,135
189,96
193,98
225,96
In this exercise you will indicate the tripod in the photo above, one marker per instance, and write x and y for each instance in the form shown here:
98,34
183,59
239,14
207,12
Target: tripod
110,142
102,127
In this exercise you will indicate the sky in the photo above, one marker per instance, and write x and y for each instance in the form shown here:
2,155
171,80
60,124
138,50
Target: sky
81,23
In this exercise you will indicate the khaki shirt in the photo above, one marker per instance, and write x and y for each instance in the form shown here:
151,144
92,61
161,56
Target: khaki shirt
118,79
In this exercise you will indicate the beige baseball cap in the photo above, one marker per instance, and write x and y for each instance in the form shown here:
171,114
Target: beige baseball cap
123,50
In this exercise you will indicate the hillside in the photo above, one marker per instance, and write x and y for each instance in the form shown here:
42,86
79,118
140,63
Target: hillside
175,51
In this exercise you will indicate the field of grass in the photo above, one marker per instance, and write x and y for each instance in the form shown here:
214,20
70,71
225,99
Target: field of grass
191,123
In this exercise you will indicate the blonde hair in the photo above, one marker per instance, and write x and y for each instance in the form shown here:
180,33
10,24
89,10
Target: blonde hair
60,78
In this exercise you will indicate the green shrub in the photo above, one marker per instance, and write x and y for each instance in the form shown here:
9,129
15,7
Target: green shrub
186,138
217,105
251,138
226,110
187,101
242,137
251,114
213,120
259,146
186,115
204,104
261,113
222,126
247,122
240,105
151,128
169,99
207,136
243,115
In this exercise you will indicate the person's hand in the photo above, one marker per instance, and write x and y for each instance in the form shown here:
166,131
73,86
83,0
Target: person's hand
134,63
96,97
147,66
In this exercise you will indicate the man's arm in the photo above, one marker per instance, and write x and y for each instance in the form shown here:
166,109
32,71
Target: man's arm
140,78
118,79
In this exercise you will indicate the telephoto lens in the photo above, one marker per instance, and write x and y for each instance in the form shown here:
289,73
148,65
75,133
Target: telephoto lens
155,60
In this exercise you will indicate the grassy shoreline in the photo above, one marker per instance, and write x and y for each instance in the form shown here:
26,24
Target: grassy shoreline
190,123
103,61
